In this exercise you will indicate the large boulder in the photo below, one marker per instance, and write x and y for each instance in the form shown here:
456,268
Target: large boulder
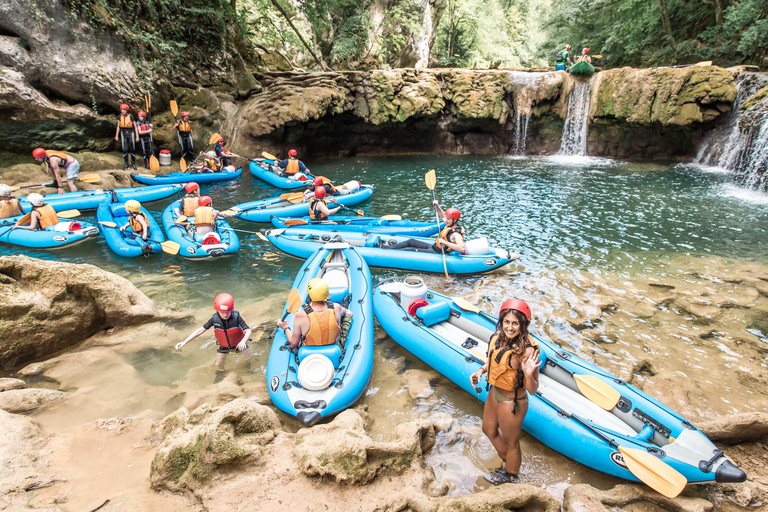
21,465
20,401
583,497
46,306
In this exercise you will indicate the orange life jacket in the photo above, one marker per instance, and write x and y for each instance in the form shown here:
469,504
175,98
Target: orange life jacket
446,233
189,205
135,224
500,371
292,167
184,126
126,121
314,213
48,216
328,185
58,154
204,216
9,207
323,328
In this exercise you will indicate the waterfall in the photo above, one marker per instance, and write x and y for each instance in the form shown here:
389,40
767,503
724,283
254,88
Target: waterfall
525,85
574,139
521,132
421,41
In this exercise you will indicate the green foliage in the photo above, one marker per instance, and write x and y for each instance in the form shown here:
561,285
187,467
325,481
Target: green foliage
265,26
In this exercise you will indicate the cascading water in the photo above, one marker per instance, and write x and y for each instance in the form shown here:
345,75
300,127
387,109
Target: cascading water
422,40
521,132
574,139
524,89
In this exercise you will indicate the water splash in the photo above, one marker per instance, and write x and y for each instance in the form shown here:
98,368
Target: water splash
521,133
574,139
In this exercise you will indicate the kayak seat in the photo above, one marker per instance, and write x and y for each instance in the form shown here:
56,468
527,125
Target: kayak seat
332,352
434,313
118,210
372,241
338,293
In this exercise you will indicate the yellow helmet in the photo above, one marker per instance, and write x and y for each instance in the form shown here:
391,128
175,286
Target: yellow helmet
133,205
317,289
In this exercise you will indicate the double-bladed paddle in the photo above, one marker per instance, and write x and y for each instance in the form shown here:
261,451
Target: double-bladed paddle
85,178
66,214
431,180
175,112
302,222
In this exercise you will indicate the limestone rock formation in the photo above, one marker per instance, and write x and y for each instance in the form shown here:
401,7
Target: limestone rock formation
19,401
737,428
46,306
21,467
582,497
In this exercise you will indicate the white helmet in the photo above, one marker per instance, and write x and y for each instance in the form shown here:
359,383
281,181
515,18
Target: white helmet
35,199
211,154
5,190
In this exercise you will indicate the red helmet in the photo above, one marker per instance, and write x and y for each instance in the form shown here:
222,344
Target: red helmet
292,152
453,213
38,153
319,192
191,187
185,114
141,113
221,139
224,302
318,182
124,106
585,50
517,305
205,201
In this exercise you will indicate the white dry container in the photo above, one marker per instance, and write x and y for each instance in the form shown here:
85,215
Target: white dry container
413,288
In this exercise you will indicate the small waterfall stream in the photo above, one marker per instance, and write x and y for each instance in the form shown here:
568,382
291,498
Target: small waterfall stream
524,87
574,139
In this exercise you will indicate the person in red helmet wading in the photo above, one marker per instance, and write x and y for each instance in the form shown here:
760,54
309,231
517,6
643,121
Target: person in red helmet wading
512,372
184,129
451,237
318,208
54,162
127,134
144,128
231,331
292,165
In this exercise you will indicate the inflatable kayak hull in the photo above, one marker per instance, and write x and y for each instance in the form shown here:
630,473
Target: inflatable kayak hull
582,68
262,211
91,199
127,243
298,180
368,225
195,249
454,342
186,177
63,234
350,366
301,242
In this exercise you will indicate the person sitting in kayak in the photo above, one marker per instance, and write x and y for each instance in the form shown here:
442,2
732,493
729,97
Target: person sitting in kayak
127,134
224,155
144,128
563,59
190,201
450,239
209,164
319,323
41,216
184,131
137,220
205,222
584,57
54,162
318,208
320,181
292,165
513,372
231,331
9,206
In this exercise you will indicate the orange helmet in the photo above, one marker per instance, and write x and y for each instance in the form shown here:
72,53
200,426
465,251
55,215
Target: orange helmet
517,305
141,113
191,187
292,152
205,201
453,213
319,192
124,106
38,153
185,114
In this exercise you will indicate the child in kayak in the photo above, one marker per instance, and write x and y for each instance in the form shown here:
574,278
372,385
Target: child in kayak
9,206
137,221
513,372
451,238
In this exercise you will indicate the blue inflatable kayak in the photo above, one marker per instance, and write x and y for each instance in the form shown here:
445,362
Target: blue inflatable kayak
263,172
263,210
364,225
91,199
63,234
186,177
127,243
302,241
455,341
197,246
317,382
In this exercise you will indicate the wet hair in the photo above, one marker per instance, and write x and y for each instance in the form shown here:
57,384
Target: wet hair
517,344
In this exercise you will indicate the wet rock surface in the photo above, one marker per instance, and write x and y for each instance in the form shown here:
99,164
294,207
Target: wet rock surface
19,401
582,497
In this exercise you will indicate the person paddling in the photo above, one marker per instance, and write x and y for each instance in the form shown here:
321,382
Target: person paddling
563,59
292,165
318,208
137,220
54,162
320,323
320,181
127,134
231,331
190,201
144,129
9,206
451,238
512,372
584,57
224,155
184,129
41,216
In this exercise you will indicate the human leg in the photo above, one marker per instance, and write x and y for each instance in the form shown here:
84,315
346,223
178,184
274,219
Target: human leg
491,426
221,359
511,423
72,171
126,148
416,245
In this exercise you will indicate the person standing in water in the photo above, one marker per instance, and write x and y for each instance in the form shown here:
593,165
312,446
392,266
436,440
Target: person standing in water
513,372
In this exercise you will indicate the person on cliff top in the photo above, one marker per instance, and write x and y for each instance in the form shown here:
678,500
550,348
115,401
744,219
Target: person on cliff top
320,181
451,237
54,162
190,201
512,366
137,220
222,153
563,59
231,332
128,135
41,216
584,57
318,207
9,206
292,165
331,320
184,129
144,128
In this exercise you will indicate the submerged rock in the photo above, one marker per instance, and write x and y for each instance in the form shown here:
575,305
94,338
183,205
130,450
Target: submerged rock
20,460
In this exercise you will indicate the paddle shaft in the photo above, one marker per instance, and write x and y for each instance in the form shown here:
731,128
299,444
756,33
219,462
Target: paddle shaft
359,213
442,248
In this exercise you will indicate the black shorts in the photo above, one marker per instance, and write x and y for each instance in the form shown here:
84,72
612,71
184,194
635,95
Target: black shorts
223,350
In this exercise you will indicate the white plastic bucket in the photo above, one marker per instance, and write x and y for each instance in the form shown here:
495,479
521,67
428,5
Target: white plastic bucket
349,187
316,372
165,157
413,288
478,246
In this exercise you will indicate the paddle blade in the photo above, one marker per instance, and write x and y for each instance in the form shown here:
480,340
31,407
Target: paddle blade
296,197
295,222
430,179
269,156
214,139
465,305
170,247
183,164
229,213
655,473
704,63
597,56
286,195
478,355
174,108
597,391
181,218
146,175
90,178
262,237
107,223
294,301
68,214
360,213
154,164
391,217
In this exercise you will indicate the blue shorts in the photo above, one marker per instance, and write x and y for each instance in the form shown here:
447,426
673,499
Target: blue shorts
560,67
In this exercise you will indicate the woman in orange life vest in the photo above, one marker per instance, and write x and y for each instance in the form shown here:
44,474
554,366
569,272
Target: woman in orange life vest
205,217
144,129
231,331
9,205
320,322
292,165
513,372
451,238
56,160
41,216
184,129
137,220
318,208
127,133
190,201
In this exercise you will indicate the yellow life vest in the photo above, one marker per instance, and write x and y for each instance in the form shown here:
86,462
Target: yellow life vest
323,328
9,208
292,167
184,126
58,154
48,216
126,121
314,213
135,224
189,205
204,216
448,231
500,371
